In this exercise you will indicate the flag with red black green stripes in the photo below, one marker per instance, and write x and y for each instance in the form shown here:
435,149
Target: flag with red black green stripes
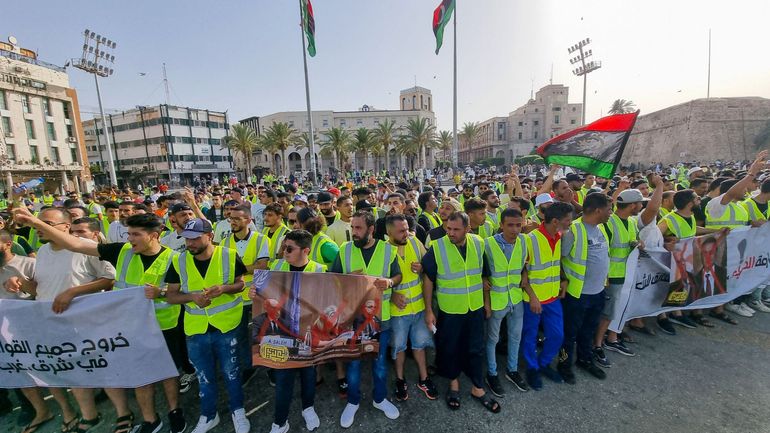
441,17
595,148
308,25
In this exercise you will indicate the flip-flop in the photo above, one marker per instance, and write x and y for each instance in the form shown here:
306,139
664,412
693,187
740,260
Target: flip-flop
31,428
88,423
453,399
71,425
488,402
723,317
702,321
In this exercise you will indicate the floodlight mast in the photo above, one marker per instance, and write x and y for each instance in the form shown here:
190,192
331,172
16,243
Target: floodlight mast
584,69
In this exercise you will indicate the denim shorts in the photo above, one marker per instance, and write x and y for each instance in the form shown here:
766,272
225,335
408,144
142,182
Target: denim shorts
410,328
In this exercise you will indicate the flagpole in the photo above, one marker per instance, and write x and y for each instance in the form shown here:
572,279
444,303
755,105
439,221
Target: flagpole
454,97
307,98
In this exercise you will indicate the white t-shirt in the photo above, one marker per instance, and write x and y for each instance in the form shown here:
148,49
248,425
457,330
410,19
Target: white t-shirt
18,266
223,230
57,271
264,251
339,231
715,208
174,242
117,232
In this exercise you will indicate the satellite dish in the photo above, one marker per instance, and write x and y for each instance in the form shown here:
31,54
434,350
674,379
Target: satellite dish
12,40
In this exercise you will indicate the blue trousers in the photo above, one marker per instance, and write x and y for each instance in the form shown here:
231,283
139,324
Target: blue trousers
284,390
553,329
205,351
379,373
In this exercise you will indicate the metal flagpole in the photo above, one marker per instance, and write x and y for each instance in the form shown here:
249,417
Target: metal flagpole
454,101
708,80
313,170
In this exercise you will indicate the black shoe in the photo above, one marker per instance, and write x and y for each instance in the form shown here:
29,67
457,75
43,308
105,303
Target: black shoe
683,321
565,371
401,390
246,376
517,380
429,388
26,415
6,406
176,421
271,377
342,387
601,358
493,382
552,374
617,346
149,427
592,369
666,326
533,377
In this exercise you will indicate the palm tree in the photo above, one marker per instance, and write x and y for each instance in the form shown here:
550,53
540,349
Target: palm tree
444,141
243,139
621,106
337,144
363,142
419,136
385,136
278,137
469,132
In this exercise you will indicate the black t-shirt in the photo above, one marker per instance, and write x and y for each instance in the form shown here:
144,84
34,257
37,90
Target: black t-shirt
297,268
172,277
437,233
367,254
762,207
330,219
111,252
380,230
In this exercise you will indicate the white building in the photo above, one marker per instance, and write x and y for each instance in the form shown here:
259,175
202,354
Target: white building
39,122
162,142
413,103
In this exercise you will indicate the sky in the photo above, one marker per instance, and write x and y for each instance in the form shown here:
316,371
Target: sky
245,56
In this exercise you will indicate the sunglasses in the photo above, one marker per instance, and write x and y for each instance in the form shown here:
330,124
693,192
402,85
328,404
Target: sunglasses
289,249
292,222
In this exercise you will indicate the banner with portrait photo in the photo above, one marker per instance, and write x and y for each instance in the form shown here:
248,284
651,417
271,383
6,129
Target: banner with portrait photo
102,340
302,319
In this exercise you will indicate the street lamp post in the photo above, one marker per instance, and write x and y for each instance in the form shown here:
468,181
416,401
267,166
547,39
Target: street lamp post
585,67
98,60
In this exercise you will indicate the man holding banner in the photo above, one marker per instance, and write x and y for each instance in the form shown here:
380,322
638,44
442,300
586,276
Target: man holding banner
369,256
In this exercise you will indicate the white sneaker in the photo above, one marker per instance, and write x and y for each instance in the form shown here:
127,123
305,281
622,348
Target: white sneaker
736,308
280,429
747,309
311,419
348,415
759,306
387,408
241,423
205,425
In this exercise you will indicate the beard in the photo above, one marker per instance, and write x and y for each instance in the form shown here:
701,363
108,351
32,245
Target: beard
360,243
399,242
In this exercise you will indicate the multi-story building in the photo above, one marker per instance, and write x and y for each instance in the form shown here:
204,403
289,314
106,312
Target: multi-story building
414,103
39,122
160,143
544,116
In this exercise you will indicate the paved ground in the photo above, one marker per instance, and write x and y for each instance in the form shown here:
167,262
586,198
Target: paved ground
702,380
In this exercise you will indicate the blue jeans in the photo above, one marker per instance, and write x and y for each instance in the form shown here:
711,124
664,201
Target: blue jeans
410,328
553,329
205,350
284,390
513,315
379,373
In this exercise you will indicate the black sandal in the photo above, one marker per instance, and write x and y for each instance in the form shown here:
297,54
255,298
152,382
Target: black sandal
642,330
453,399
723,317
124,424
88,423
488,402
702,321
71,425
31,428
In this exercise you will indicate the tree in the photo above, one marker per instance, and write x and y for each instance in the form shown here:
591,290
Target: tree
469,133
444,141
277,138
419,136
363,142
337,144
243,139
621,106
385,136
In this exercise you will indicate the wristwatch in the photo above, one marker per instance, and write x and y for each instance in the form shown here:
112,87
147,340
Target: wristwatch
163,292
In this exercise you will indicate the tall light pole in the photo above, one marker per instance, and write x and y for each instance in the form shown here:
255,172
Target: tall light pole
585,67
98,60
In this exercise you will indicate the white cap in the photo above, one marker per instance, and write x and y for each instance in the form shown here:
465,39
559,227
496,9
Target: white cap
693,170
542,199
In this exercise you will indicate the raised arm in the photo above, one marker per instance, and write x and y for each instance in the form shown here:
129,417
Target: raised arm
63,239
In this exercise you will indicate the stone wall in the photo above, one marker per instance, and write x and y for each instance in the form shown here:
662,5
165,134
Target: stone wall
702,130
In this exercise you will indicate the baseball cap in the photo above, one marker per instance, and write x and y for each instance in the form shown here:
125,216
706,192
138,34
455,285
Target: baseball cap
195,228
300,197
334,191
179,207
454,203
543,198
693,170
324,197
453,191
631,196
573,177
238,190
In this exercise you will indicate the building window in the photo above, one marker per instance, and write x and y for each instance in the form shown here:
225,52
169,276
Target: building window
572,121
325,123
536,109
47,106
556,119
573,109
10,151
3,103
521,123
359,122
343,123
34,158
7,126
519,135
74,155
535,134
51,131
291,123
66,107
376,122
30,129
556,108
536,122
55,157
25,103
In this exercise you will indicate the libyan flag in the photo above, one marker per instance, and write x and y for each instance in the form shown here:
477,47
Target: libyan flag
441,17
595,148
308,25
